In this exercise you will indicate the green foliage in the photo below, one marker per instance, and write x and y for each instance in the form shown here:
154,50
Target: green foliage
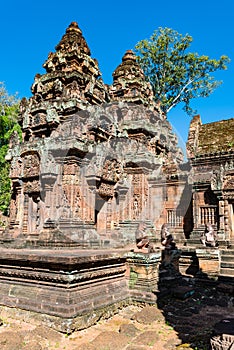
175,74
8,124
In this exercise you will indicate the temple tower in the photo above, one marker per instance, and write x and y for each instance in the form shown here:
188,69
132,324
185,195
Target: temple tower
95,160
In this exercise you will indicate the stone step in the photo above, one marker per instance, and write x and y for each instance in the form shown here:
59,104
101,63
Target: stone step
227,272
226,279
225,258
227,252
194,242
227,264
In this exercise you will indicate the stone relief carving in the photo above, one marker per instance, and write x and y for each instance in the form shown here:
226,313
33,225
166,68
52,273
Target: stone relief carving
16,168
32,187
112,144
31,165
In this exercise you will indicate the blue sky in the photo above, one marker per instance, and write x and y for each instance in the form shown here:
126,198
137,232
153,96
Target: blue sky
31,29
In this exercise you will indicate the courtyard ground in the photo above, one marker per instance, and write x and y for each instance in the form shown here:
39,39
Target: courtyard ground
171,324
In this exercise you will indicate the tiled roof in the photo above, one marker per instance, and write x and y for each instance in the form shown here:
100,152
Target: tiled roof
216,137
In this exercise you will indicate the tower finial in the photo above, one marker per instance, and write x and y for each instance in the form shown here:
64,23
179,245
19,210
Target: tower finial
73,36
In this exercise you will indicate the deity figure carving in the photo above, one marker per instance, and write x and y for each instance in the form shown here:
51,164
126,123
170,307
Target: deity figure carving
23,105
167,239
49,64
142,240
16,168
135,208
72,90
90,86
32,187
13,209
52,115
31,165
36,86
217,179
51,165
209,237
66,209
58,87
111,170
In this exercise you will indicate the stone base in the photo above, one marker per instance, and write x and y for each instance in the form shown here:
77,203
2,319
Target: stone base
188,263
209,261
64,325
143,275
70,289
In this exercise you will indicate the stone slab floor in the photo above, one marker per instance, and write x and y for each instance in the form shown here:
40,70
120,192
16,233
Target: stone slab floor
173,324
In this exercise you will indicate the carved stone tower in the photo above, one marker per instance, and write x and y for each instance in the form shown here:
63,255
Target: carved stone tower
95,160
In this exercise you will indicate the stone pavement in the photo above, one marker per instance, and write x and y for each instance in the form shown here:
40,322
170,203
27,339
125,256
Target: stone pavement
173,324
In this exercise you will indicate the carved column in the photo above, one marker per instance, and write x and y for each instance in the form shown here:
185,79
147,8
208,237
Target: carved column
25,217
108,216
89,198
226,220
122,190
48,180
221,231
20,203
196,213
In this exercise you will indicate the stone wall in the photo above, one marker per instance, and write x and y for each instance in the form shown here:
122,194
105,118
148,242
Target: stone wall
70,290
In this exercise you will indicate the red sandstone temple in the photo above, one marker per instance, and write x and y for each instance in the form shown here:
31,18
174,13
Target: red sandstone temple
210,150
95,162
95,159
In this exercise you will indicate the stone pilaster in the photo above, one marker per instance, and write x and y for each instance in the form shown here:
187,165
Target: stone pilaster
143,275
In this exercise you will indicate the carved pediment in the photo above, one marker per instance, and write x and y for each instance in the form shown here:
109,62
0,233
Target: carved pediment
228,183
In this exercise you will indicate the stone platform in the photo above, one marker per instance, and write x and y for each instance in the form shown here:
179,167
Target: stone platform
143,275
68,289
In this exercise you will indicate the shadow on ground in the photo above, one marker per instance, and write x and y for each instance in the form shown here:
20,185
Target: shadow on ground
192,305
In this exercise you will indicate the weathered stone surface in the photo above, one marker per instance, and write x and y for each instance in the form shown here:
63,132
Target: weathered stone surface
86,347
148,338
110,341
95,160
46,333
129,83
10,340
211,154
67,285
128,329
174,329
142,275
148,315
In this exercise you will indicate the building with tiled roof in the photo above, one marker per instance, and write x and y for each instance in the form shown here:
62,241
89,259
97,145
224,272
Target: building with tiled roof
210,150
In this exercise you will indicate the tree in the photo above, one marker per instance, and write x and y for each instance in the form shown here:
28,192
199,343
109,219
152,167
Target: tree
177,75
8,124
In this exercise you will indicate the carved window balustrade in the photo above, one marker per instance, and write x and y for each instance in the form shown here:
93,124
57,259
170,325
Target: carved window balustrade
208,214
174,217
